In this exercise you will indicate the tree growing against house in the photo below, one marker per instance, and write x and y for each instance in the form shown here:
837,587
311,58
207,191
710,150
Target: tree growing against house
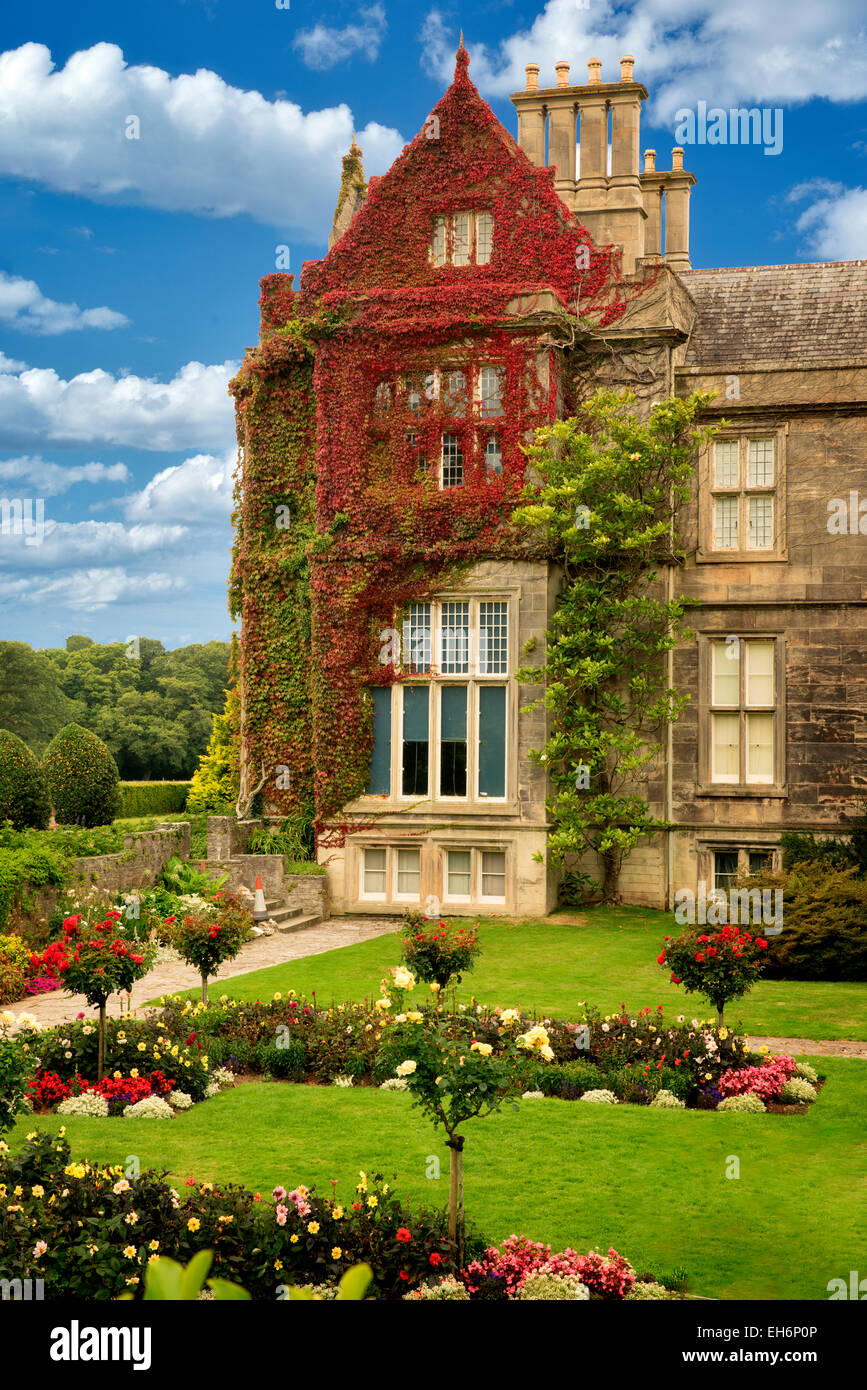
608,500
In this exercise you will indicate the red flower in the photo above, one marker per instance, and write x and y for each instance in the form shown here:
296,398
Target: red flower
403,1234
436,1259
660,960
403,1274
699,955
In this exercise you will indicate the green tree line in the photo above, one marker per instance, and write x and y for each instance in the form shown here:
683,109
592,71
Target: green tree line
153,708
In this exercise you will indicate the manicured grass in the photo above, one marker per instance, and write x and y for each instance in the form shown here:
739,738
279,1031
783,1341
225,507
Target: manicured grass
552,967
652,1183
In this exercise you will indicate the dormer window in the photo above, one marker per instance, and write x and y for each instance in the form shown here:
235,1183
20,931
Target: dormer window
462,238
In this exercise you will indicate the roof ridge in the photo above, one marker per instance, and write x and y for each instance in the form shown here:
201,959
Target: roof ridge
794,265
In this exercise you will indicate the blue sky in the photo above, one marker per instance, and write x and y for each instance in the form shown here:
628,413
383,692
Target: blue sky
129,268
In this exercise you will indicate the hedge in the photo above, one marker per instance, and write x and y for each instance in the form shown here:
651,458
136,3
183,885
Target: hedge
152,798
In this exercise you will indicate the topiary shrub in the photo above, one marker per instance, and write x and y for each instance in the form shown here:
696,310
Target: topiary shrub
24,797
82,777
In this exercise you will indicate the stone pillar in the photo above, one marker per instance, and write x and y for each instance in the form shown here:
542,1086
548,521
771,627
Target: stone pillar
677,186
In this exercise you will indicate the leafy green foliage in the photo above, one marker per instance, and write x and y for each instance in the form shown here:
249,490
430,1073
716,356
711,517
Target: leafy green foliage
436,953
293,838
17,1064
32,702
216,780
803,847
607,507
166,1280
181,878
152,798
824,934
24,798
82,777
720,964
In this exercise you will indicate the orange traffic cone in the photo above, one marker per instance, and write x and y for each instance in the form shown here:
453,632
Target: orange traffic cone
260,912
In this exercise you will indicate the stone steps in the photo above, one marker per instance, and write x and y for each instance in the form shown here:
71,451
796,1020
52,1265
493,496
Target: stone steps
290,919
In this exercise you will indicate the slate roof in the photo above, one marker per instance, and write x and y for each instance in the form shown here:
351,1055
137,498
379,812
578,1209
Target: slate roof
764,313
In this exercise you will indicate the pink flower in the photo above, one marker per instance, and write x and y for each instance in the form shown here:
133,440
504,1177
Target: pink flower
282,1213
39,1249
278,1194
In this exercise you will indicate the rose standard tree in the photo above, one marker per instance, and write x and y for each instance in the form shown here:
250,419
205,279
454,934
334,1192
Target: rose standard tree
721,965
102,963
207,938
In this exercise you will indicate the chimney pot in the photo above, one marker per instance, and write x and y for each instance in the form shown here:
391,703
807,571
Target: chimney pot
532,71
650,161
562,71
677,158
594,70
626,66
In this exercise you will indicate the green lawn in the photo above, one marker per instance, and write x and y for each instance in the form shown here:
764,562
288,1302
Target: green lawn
552,967
652,1183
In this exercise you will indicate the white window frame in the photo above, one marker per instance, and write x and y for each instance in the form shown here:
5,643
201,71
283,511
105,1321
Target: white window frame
740,492
445,223
396,895
476,896
473,679
713,647
363,894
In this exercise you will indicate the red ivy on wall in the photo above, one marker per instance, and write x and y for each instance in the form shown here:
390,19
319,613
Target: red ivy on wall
324,418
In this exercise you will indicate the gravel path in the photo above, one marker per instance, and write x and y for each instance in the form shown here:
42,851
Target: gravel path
172,977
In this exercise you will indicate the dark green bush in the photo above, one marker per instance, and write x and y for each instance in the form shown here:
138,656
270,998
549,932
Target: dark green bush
824,934
288,1062
24,798
82,778
804,848
152,798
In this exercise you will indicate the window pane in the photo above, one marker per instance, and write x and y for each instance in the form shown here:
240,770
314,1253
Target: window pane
438,241
416,705
455,639
726,673
493,454
725,522
491,391
493,639
408,872
760,463
725,869
760,748
492,740
484,237
462,238
379,782
374,872
725,747
761,861
453,741
760,673
414,388
761,515
416,639
725,463
382,399
454,395
416,450
493,875
459,876
453,461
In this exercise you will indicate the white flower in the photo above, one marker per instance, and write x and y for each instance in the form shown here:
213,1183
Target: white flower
406,1068
343,1081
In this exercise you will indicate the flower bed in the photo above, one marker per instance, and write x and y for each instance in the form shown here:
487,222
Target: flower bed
89,1232
633,1056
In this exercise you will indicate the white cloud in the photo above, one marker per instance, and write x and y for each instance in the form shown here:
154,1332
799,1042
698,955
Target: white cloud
25,307
684,50
322,47
193,410
49,479
71,544
89,591
10,365
197,490
203,146
835,223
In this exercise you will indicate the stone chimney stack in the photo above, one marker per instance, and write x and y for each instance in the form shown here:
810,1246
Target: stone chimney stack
620,202
353,191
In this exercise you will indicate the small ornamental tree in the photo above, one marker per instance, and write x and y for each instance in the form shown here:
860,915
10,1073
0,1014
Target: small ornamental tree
437,954
721,965
82,777
99,963
453,1081
24,798
207,938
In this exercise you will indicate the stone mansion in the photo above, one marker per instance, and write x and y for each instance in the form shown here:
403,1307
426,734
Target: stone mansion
452,270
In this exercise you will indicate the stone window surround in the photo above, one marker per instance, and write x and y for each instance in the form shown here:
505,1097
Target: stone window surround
776,789
470,805
477,842
758,427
